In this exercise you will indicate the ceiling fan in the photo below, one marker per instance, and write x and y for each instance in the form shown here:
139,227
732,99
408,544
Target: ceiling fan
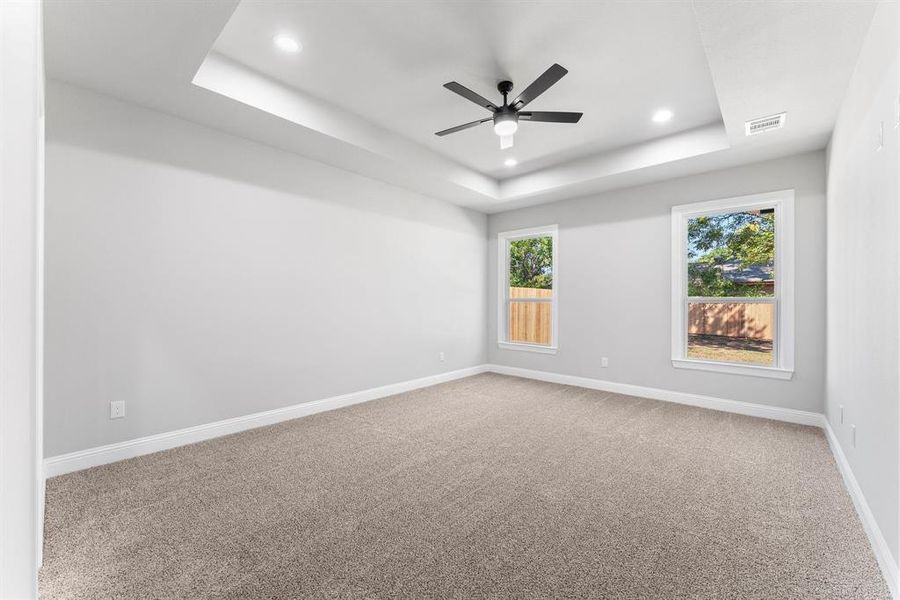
506,117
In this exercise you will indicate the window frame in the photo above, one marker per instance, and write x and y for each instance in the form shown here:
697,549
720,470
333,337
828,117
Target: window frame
503,240
783,300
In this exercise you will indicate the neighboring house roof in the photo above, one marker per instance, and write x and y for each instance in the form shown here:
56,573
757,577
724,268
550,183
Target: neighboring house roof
733,271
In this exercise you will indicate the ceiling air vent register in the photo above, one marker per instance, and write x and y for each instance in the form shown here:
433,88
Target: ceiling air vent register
764,124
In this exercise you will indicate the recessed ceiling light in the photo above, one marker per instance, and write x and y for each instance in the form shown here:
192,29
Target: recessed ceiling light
286,43
662,115
510,162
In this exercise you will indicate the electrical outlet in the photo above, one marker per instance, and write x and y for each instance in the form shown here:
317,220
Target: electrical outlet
842,414
604,362
117,409
853,435
441,355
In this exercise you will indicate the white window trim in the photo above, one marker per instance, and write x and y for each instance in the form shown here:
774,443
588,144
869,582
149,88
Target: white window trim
783,203
503,239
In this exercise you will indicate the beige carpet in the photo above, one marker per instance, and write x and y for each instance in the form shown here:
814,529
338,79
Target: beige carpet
487,487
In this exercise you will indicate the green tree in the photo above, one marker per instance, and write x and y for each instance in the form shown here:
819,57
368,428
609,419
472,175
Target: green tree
747,238
531,263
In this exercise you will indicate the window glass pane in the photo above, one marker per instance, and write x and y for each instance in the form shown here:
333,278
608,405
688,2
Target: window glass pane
531,264
531,322
737,332
732,254
530,317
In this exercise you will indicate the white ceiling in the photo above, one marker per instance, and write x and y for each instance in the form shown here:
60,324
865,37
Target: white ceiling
391,59
365,94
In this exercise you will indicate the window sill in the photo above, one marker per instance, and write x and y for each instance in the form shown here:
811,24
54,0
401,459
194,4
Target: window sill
734,369
527,347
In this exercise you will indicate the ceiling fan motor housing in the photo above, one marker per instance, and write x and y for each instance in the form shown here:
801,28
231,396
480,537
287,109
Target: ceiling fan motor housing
506,119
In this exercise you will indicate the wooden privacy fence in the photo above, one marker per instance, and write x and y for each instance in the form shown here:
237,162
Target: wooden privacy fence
748,320
530,322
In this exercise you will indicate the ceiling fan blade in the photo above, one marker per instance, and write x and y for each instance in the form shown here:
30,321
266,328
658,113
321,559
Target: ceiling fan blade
539,86
551,117
471,96
464,126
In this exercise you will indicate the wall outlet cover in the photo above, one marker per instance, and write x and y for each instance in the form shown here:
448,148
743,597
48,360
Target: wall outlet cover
117,409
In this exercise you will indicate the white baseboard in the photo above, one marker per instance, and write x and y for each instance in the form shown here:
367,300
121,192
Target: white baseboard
790,415
876,539
92,457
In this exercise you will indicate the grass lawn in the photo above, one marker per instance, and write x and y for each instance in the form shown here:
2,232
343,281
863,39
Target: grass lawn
729,349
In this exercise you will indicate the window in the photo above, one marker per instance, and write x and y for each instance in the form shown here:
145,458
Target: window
528,288
733,285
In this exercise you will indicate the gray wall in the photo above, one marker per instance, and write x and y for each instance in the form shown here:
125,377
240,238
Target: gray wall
199,276
863,329
615,283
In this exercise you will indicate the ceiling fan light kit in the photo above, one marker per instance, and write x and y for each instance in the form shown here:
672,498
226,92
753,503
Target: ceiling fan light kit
506,123
507,115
